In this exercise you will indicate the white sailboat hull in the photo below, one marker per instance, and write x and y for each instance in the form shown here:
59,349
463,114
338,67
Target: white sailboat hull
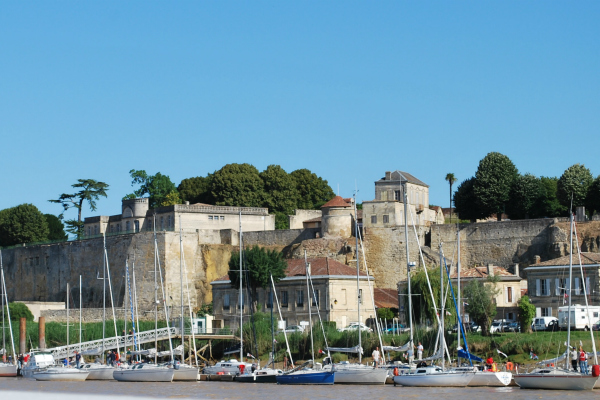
489,378
556,380
156,374
186,373
8,369
445,379
60,374
360,375
100,373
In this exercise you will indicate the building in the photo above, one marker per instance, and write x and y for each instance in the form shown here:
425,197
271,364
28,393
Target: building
548,283
137,216
335,287
387,210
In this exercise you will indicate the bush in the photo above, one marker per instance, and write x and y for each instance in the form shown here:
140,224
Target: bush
18,311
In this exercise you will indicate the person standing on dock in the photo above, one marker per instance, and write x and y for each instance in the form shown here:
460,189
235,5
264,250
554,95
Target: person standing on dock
77,359
574,358
420,351
376,356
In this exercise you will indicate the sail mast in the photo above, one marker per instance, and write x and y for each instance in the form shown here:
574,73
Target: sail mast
442,338
181,286
12,339
241,298
405,199
312,343
458,284
358,297
569,288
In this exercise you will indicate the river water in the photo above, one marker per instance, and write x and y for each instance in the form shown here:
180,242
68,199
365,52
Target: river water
24,389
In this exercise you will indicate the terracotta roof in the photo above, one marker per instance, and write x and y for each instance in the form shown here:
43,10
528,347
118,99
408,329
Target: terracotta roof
404,176
586,259
337,201
386,298
480,272
318,266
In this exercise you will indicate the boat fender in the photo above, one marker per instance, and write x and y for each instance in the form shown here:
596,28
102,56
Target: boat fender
510,366
242,367
396,371
595,370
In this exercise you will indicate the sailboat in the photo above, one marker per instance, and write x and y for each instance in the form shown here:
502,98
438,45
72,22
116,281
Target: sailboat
303,375
149,372
6,368
560,378
357,373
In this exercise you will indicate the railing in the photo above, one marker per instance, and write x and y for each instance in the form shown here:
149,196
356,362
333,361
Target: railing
210,331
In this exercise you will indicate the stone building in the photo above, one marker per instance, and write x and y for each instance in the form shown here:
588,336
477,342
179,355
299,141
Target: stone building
137,216
548,283
335,291
387,210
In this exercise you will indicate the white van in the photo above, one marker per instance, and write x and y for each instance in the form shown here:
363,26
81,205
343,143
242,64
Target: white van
541,323
579,317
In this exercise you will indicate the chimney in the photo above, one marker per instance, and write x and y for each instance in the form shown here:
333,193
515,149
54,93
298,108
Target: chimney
388,175
187,203
490,269
536,259
517,269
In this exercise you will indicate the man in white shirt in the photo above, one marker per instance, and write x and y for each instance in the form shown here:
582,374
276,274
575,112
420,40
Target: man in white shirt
376,356
420,351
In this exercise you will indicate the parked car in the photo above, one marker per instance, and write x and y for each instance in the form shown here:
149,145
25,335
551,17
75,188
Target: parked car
553,326
400,328
468,327
596,326
354,326
294,329
541,323
512,327
497,326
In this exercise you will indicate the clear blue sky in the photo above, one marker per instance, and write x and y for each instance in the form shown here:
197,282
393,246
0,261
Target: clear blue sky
349,90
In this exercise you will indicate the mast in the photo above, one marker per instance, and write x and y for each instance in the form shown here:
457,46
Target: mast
12,339
241,299
458,284
272,329
312,343
155,297
357,281
287,343
67,320
442,338
570,284
80,313
181,286
410,318
3,333
103,296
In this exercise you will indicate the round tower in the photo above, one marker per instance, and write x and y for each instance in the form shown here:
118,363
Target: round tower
337,218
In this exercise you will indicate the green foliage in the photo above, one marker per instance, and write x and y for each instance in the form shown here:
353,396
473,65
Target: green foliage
159,188
238,185
205,309
282,221
465,201
550,206
493,180
18,311
451,179
196,190
481,305
526,313
56,229
575,181
22,224
385,313
90,191
260,265
525,197
313,191
593,197
281,194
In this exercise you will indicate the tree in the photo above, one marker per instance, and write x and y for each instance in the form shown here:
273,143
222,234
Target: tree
574,182
91,190
18,311
465,202
260,264
526,313
423,305
313,191
56,229
525,197
450,179
385,314
196,190
593,197
493,180
550,206
238,185
159,188
281,195
22,224
480,302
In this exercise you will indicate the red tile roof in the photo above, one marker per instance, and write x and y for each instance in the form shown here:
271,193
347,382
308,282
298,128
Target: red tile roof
480,272
386,298
318,266
337,201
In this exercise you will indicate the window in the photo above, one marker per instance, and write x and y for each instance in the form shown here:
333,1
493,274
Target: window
269,299
89,231
127,226
284,298
162,224
226,302
542,287
561,286
373,219
546,311
299,298
112,229
222,218
509,294
315,299
578,286
242,300
397,195
137,225
149,225
360,298
119,228
169,221
210,218
386,219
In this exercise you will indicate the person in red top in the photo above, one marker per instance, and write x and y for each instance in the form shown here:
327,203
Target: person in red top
583,364
489,362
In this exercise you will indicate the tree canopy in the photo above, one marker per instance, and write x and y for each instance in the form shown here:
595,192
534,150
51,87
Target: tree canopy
526,313
481,306
260,264
56,229
196,190
238,185
550,206
465,201
525,197
313,191
593,197
90,191
159,188
493,180
18,311
22,224
576,181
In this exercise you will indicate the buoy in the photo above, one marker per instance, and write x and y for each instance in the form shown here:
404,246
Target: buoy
595,370
509,366
395,371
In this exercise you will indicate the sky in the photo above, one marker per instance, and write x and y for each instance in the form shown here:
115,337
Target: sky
347,89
